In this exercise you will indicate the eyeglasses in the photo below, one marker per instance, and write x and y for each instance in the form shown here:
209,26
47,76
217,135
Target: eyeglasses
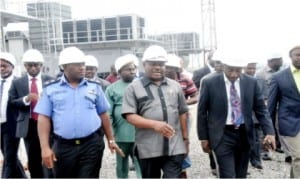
30,65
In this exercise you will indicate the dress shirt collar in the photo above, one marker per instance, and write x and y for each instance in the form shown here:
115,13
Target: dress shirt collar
146,81
294,69
227,81
10,78
212,69
38,77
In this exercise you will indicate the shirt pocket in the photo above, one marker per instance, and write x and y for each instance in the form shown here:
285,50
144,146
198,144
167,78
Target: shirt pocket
59,102
143,103
90,101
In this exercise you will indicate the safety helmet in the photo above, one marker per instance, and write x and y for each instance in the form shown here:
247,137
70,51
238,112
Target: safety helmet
234,62
173,61
90,60
124,60
71,55
33,55
8,57
273,55
155,53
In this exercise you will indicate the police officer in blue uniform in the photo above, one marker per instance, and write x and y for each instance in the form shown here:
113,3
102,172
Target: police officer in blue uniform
76,108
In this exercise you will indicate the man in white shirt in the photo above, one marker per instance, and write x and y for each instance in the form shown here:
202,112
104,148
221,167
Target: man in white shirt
12,167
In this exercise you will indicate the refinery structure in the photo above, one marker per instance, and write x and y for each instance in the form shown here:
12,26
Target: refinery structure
51,28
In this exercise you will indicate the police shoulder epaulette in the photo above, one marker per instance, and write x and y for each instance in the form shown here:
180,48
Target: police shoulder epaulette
50,82
94,81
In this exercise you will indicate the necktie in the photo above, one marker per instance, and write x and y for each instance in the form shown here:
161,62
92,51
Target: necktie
1,93
33,89
236,111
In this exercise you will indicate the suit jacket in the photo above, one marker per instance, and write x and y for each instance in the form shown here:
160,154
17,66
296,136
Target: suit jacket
19,89
199,74
285,97
213,106
262,84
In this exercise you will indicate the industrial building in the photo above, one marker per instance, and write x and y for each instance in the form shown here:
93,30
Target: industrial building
51,28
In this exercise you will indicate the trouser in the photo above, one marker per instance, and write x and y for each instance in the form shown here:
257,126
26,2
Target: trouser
187,161
123,162
212,162
294,148
232,153
78,158
12,167
170,165
255,148
33,150
280,140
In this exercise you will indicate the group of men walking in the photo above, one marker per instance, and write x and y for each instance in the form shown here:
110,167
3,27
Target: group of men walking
63,120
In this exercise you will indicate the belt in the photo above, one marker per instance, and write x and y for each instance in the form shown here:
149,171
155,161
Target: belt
76,141
233,127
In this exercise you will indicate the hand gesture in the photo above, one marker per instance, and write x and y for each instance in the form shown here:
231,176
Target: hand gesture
48,157
164,129
32,97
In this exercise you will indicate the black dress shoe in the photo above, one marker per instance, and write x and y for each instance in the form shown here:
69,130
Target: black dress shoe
279,150
257,165
214,172
288,159
266,157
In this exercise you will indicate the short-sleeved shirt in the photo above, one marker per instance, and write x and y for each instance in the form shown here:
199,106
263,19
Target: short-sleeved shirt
162,103
187,85
74,110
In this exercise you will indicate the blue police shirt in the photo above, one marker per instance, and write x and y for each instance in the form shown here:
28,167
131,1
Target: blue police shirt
74,111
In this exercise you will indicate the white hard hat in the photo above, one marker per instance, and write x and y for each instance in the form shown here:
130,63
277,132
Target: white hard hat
8,57
33,55
273,55
234,62
90,60
155,53
173,61
124,60
71,55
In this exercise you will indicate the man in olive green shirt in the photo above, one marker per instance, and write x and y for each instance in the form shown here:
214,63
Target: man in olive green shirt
123,131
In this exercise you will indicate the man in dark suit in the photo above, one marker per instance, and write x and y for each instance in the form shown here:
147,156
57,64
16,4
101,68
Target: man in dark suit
197,77
255,151
200,73
23,95
12,167
225,124
284,98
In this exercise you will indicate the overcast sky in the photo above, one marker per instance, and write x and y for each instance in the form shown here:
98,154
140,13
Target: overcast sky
251,25
255,27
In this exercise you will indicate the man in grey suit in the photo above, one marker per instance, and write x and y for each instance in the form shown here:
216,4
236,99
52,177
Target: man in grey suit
284,99
23,94
225,125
